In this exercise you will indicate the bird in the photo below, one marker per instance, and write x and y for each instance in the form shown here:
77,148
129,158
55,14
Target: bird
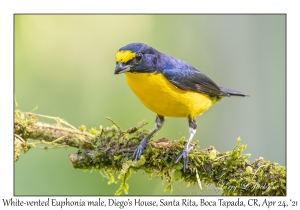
169,87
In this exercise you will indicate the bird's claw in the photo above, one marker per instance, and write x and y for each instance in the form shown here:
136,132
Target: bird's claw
184,155
139,150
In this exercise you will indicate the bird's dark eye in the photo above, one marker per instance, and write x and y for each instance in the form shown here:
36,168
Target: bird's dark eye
138,57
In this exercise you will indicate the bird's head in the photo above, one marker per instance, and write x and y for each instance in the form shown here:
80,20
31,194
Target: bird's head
136,57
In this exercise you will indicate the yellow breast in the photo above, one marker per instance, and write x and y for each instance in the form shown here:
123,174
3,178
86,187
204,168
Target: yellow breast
164,98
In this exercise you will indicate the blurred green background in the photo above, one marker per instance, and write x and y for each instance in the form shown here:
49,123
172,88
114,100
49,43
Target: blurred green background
64,64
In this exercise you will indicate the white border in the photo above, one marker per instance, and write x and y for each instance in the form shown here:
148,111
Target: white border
8,8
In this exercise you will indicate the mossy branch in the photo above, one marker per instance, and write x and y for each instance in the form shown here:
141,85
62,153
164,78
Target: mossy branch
110,151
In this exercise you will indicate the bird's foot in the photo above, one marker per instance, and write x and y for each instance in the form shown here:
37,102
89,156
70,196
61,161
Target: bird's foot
139,150
184,155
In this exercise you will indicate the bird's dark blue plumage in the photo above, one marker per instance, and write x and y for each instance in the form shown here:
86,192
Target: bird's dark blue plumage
176,71
186,77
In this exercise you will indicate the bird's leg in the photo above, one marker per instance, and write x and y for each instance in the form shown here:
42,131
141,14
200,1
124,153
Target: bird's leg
159,121
187,148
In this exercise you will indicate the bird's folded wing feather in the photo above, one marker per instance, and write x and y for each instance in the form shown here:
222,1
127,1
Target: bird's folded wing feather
194,80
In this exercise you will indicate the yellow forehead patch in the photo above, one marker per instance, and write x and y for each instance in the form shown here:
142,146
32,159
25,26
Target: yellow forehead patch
124,56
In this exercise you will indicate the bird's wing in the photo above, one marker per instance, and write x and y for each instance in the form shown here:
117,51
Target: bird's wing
194,80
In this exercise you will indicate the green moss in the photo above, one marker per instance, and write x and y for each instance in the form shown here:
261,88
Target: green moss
110,150
82,128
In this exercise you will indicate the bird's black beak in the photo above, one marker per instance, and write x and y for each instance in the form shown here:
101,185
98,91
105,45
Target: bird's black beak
121,68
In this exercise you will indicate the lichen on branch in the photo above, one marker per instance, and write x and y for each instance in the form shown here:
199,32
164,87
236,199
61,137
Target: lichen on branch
110,149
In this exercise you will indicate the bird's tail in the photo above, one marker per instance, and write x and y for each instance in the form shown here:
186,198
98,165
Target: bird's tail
232,92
